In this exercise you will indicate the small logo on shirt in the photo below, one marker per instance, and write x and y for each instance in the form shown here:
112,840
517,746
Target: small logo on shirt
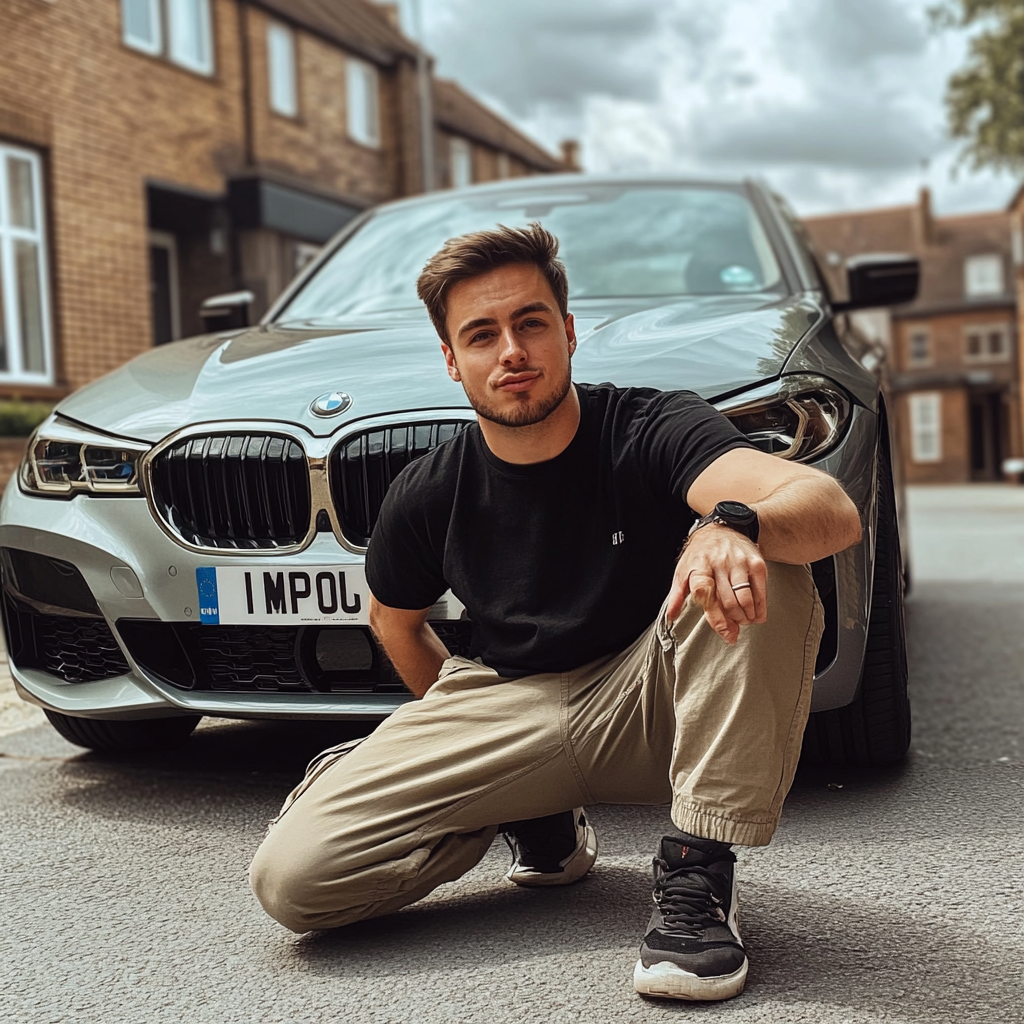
618,538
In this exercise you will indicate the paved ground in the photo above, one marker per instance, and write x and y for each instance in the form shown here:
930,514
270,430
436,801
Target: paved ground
889,896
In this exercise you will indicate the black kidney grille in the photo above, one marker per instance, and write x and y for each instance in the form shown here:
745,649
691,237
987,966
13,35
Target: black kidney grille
234,490
363,467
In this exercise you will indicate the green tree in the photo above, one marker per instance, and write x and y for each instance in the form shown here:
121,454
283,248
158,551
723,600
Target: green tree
985,98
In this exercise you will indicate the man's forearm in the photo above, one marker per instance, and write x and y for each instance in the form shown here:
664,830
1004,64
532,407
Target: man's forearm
806,519
417,655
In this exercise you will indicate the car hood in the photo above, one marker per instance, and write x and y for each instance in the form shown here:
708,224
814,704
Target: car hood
390,362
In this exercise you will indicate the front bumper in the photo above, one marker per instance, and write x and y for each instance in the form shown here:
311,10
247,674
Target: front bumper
104,536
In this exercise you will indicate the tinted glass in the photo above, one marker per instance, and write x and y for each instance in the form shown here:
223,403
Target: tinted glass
616,241
20,193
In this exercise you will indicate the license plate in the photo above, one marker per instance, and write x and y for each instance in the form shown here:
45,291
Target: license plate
237,595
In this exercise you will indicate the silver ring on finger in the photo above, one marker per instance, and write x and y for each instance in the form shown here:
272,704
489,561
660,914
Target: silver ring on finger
741,586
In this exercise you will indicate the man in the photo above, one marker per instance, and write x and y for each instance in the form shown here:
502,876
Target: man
611,667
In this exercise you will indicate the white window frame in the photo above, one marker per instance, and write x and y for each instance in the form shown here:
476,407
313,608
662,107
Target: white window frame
912,358
984,275
166,17
282,70
152,46
926,426
460,157
986,355
362,102
8,236
165,240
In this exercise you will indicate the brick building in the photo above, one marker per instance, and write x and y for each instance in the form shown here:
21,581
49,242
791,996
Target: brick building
156,152
954,350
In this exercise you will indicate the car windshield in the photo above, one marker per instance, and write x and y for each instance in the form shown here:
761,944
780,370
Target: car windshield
622,241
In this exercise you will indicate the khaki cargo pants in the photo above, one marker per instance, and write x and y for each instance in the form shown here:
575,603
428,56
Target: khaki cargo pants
680,717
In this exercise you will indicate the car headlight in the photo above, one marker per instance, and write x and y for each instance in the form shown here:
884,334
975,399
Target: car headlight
800,417
63,460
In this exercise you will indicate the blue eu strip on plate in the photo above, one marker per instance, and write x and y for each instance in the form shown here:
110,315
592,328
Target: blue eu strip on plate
209,605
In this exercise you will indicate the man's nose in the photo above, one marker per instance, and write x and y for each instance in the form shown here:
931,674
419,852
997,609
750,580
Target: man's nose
511,349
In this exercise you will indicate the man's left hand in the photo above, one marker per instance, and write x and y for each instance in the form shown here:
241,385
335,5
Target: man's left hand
726,575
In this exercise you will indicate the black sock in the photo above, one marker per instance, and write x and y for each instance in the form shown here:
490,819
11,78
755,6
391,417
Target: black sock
711,847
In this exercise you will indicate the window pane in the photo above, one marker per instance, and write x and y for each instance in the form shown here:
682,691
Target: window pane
462,163
20,193
995,343
30,306
363,117
189,25
281,68
983,275
974,344
925,422
140,24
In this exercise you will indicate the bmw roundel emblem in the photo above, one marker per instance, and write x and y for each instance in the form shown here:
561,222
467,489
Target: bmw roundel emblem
331,404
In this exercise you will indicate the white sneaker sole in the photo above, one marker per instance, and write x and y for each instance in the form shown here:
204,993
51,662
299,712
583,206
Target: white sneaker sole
574,867
665,980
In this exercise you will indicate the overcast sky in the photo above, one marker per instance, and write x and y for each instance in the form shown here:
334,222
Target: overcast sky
838,103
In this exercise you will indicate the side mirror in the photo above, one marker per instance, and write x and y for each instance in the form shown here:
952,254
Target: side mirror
226,312
880,280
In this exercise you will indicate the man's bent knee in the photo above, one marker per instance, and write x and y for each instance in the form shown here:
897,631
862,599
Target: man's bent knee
284,886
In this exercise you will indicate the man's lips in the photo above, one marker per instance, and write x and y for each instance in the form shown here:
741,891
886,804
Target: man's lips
517,381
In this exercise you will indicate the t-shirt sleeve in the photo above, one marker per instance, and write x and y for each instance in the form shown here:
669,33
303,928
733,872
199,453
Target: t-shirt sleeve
404,564
678,437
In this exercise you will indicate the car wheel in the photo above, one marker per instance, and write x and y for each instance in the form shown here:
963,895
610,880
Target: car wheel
875,728
124,737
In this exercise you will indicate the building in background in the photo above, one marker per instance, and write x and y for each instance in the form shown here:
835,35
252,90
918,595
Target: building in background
954,351
156,152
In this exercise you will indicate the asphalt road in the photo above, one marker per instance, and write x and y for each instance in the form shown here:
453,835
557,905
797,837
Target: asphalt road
889,896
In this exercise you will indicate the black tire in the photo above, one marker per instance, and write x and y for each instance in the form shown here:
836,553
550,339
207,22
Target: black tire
124,737
875,728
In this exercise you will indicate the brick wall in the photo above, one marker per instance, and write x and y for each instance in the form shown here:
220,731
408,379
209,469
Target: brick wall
115,118
315,145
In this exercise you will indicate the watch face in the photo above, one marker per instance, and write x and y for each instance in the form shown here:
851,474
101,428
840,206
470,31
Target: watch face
735,511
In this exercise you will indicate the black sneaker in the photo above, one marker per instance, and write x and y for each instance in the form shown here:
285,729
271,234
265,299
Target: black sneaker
557,850
692,949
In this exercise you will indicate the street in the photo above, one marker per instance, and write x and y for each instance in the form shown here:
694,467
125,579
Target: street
887,895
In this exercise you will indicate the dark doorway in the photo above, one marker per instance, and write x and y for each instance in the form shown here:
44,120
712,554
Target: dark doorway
988,435
163,287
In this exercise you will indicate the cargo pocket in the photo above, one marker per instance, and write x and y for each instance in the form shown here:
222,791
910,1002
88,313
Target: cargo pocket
316,768
459,673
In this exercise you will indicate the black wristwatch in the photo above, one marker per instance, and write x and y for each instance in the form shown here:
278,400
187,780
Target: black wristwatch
734,514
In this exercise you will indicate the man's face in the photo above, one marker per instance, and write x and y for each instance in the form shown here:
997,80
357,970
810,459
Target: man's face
509,345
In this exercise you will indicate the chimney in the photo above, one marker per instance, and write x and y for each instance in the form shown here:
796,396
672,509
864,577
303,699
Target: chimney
924,220
571,155
392,13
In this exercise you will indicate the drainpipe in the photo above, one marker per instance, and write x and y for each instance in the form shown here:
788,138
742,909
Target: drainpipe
424,88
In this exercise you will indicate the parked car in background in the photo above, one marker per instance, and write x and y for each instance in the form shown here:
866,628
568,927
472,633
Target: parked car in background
186,535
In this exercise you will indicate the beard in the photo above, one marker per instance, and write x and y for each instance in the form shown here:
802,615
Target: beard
525,413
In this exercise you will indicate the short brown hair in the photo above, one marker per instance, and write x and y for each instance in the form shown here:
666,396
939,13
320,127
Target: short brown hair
482,251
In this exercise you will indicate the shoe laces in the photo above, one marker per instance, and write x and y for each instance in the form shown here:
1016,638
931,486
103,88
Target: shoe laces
687,900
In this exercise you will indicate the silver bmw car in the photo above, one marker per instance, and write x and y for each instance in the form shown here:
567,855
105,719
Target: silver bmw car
185,536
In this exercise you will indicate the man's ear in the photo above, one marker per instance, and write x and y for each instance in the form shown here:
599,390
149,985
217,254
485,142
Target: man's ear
570,332
449,361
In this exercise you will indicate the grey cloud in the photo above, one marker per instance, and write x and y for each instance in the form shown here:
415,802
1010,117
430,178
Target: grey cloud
849,33
832,134
558,52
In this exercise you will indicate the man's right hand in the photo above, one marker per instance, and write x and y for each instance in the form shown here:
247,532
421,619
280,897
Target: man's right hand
727,577
410,643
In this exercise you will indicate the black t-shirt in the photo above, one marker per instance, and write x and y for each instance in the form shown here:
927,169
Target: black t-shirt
557,562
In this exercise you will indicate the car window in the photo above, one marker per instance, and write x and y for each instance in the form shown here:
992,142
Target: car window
616,242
